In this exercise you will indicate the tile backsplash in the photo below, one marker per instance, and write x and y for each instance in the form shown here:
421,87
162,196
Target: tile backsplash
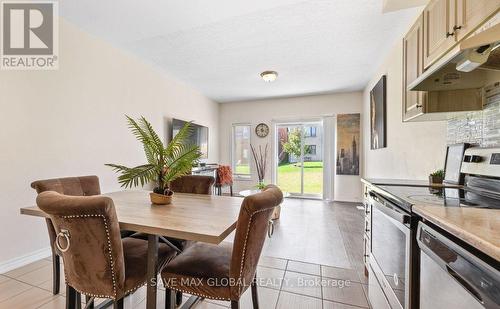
481,127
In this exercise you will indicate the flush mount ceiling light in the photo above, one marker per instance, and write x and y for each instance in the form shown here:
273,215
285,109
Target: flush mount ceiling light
269,76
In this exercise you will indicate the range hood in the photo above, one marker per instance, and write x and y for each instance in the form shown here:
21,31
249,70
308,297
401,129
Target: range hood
473,64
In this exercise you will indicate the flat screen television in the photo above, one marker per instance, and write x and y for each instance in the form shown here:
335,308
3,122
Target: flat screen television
199,136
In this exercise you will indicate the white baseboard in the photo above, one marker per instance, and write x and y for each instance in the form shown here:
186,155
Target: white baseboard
348,200
24,259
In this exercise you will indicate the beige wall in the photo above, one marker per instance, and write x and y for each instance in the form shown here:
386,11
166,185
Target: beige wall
347,188
413,149
71,121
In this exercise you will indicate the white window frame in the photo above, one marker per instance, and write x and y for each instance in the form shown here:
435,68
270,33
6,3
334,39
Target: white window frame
233,165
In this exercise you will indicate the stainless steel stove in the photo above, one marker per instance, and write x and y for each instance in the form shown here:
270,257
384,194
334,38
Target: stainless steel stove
466,196
395,252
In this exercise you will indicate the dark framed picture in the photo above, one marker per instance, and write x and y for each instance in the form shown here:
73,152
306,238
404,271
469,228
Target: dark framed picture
378,121
348,128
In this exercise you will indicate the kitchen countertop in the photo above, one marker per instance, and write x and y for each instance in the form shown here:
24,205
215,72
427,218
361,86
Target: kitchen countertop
478,227
401,182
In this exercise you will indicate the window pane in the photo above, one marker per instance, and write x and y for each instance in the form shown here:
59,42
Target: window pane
311,149
241,149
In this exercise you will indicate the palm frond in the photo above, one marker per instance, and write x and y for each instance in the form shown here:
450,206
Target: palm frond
151,155
135,176
182,163
142,134
153,136
137,131
179,140
117,167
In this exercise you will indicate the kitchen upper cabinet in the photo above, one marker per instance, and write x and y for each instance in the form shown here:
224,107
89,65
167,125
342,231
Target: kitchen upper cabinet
435,34
439,20
413,101
448,21
471,13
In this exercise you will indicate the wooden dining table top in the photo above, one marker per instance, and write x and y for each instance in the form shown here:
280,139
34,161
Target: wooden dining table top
204,218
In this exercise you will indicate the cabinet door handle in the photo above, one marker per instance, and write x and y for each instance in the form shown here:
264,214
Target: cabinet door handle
448,34
457,27
419,106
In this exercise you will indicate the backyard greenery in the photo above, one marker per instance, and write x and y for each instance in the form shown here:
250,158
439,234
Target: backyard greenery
242,169
289,177
294,144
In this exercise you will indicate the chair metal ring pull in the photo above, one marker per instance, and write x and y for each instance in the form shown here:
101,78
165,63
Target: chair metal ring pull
65,234
270,230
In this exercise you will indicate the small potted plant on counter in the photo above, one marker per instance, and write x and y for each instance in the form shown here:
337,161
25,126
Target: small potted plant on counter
437,177
165,163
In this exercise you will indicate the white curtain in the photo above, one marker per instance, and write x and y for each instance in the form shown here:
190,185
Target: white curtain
329,157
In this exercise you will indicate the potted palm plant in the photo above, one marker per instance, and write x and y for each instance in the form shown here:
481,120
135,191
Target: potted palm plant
165,163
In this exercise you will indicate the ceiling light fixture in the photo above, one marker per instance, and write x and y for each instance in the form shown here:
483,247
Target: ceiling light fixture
269,76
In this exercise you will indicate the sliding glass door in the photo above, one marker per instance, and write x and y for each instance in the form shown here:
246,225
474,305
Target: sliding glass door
299,168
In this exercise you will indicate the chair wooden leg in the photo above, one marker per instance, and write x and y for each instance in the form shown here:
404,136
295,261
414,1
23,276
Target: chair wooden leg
255,297
231,190
235,304
178,298
56,273
118,304
78,300
70,297
170,299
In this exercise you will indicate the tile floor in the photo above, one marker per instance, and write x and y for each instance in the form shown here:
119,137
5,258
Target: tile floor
294,271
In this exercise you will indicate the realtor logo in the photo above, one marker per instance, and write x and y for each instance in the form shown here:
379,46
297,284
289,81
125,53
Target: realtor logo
29,35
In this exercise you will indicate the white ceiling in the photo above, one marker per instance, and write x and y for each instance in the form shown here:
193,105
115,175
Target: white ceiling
220,46
396,5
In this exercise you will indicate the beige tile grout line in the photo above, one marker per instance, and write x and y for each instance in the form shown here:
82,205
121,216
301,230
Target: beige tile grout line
281,286
20,275
31,287
321,277
321,280
280,290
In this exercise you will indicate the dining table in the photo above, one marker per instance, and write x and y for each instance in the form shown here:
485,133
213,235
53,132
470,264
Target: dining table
196,217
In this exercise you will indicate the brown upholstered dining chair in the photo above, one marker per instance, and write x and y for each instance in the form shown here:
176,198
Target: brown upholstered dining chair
78,186
224,272
97,261
197,184
75,186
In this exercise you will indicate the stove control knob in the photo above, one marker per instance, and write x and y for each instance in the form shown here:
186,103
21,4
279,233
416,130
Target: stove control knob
476,159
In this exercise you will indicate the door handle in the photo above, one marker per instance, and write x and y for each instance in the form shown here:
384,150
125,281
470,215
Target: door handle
388,210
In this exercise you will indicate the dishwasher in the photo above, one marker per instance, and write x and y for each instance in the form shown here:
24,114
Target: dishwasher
452,277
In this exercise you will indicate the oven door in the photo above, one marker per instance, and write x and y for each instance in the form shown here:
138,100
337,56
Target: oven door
391,250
